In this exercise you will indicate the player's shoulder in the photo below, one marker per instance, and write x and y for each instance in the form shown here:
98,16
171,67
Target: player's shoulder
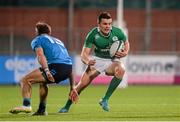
43,37
35,39
38,38
93,30
116,29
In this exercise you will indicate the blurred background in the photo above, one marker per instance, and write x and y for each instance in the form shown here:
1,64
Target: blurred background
152,27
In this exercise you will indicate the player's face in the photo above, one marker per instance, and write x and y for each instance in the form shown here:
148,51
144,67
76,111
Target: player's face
105,26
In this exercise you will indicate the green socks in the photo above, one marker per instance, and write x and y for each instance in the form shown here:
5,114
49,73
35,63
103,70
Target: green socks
112,86
68,104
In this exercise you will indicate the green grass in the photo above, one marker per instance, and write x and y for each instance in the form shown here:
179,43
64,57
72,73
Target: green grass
141,103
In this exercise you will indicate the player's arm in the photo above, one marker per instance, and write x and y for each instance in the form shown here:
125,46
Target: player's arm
88,47
124,51
85,56
41,58
43,62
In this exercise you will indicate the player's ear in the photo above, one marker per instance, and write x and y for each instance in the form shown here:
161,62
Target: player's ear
97,21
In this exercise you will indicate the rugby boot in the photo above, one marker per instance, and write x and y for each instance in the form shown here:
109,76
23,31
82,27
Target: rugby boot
104,104
21,109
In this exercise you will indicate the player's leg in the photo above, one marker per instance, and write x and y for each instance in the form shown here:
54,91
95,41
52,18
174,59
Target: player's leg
69,102
26,89
85,80
60,72
43,92
117,70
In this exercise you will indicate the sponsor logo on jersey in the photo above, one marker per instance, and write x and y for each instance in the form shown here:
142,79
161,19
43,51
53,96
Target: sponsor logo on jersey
97,36
104,50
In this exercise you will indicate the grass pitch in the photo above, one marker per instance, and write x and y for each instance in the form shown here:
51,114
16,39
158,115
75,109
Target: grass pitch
134,103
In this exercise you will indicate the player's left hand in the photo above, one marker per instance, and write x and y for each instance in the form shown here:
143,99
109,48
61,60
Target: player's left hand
74,96
91,62
49,75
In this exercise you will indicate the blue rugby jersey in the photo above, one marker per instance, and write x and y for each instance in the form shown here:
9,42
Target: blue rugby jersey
54,49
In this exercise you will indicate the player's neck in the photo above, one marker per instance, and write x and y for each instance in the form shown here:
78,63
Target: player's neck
104,34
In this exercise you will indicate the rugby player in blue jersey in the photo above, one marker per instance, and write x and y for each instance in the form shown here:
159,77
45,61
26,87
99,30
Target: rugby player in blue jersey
55,66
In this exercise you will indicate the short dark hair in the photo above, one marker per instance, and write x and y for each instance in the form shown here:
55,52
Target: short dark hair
104,15
43,28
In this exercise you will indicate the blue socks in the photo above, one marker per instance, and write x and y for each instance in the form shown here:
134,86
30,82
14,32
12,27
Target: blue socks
27,102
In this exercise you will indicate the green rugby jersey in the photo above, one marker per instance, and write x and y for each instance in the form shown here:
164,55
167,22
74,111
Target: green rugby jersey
103,43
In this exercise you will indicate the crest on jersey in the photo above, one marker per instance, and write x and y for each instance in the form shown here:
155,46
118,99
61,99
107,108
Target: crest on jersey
115,38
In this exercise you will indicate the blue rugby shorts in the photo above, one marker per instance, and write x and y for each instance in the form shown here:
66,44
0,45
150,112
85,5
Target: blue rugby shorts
59,71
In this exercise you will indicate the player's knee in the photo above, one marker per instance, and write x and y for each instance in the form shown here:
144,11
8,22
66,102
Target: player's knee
24,81
119,72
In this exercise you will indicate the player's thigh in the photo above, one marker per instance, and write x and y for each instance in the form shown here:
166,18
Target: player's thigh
116,69
34,77
89,74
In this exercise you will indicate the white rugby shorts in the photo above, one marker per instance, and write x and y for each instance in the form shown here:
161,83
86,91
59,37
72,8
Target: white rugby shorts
102,64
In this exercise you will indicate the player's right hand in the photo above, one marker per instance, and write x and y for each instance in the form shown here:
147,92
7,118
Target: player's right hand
74,97
120,54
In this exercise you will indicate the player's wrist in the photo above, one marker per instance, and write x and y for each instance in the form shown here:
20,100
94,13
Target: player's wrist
72,88
86,62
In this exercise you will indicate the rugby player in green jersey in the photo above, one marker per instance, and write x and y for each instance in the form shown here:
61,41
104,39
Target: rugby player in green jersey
99,40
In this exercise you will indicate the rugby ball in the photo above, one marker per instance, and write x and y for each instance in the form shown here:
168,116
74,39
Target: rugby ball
116,46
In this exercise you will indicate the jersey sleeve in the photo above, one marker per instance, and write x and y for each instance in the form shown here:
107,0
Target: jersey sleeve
120,34
124,38
89,39
35,44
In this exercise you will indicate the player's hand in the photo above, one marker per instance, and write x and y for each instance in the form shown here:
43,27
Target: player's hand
49,75
74,97
91,62
120,54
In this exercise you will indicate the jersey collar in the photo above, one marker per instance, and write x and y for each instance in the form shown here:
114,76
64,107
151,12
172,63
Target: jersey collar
102,33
